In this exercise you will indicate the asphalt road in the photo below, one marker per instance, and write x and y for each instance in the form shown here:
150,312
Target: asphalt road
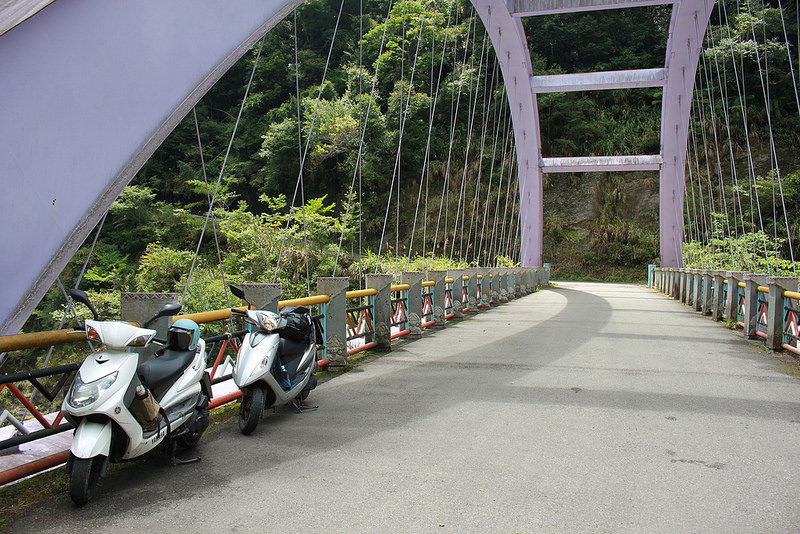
582,408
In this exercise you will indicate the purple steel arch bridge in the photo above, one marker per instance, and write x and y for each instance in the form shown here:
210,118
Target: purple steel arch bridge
89,89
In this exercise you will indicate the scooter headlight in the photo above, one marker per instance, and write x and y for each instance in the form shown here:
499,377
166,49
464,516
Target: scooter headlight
268,320
83,394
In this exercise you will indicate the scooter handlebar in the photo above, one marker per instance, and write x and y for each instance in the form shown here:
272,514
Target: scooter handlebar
223,337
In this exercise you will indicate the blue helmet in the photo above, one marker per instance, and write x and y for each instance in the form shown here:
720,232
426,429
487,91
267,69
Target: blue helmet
183,334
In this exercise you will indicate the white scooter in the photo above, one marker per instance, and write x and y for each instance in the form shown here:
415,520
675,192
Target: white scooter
123,408
276,362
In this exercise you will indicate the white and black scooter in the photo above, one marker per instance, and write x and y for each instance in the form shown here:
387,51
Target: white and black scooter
123,408
276,362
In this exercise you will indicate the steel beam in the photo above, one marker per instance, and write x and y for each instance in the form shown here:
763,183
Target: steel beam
601,164
598,81
526,8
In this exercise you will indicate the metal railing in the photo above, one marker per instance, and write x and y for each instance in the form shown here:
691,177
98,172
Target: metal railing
762,306
361,321
360,328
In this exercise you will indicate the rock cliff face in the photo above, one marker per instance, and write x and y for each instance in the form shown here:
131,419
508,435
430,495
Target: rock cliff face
601,225
578,200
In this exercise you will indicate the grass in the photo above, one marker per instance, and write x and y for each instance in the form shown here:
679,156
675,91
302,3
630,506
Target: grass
17,499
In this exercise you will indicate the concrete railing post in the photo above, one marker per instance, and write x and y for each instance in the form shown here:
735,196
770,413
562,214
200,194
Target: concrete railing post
752,281
381,308
335,318
472,289
732,302
775,308
414,302
650,275
697,288
457,292
682,285
546,267
139,307
438,299
688,280
707,300
263,296
687,286
675,283
718,305
503,285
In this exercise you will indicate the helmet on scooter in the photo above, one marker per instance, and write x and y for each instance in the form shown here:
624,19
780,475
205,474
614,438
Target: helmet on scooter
183,334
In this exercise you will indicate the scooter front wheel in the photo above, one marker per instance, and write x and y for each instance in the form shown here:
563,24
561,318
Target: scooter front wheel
251,409
85,474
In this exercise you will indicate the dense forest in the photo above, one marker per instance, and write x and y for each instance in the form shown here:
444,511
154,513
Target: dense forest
399,117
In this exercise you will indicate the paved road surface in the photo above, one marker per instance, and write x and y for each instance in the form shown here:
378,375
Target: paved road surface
583,408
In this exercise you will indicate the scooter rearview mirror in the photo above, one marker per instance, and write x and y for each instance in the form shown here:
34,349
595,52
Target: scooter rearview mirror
237,291
81,296
167,310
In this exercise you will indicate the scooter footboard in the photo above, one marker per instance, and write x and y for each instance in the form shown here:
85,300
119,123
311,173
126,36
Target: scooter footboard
91,439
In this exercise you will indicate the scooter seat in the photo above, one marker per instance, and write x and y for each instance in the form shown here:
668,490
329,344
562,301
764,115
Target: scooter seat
161,371
291,352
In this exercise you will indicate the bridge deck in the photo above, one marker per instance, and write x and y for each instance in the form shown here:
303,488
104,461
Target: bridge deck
588,407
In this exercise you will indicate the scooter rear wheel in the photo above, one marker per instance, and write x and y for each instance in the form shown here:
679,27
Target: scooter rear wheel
84,476
250,409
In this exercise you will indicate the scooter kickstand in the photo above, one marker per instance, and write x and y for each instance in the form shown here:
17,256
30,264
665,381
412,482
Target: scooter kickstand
301,407
174,460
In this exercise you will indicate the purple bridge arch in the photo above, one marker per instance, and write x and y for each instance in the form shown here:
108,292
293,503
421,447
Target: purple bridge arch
90,88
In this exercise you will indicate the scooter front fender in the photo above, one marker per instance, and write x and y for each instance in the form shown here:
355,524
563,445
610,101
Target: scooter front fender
91,439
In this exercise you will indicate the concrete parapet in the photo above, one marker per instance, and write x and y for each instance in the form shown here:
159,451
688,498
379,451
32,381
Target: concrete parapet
457,292
732,302
414,302
707,298
503,285
472,289
697,288
262,296
775,308
381,308
439,289
139,307
718,306
675,280
752,281
335,318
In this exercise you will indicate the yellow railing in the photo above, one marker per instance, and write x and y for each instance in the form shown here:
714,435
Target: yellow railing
791,294
36,340
361,293
401,287
305,301
428,283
